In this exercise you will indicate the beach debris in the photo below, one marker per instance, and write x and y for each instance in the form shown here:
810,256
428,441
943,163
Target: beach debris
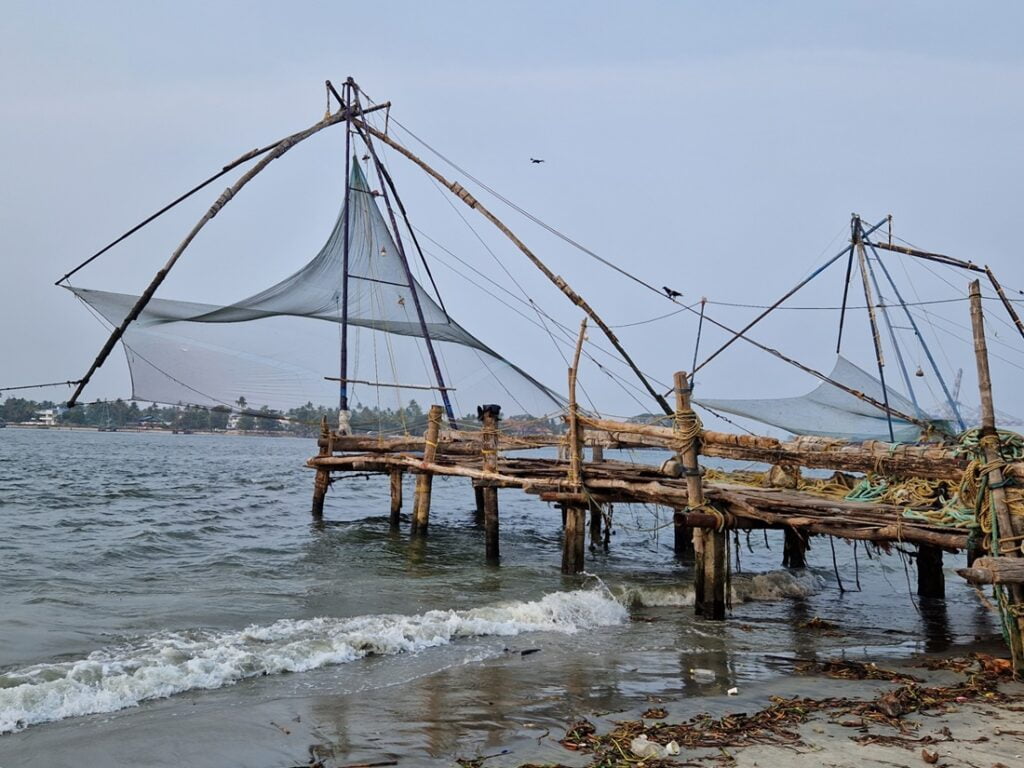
733,691
655,713
580,735
845,669
475,762
641,746
702,675
777,724
820,624
929,755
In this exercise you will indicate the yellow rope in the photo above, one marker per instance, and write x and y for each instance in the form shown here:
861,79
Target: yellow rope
688,426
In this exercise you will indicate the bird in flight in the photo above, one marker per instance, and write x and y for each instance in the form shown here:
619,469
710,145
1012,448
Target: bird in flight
535,160
670,293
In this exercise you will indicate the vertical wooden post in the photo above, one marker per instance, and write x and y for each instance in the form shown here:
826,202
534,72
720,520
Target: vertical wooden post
794,549
421,504
597,453
713,562
1005,524
709,545
396,497
574,536
323,476
573,541
489,436
931,581
596,520
478,498
682,540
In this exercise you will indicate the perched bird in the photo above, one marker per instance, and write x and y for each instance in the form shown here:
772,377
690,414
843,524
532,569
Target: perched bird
535,160
670,293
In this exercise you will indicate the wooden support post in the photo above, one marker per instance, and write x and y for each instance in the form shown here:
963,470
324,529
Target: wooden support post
1006,524
421,504
396,497
596,519
682,543
931,582
489,416
574,517
478,497
323,476
573,542
710,546
794,549
713,563
597,453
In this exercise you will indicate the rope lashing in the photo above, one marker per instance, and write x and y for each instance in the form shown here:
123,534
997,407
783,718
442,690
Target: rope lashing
688,427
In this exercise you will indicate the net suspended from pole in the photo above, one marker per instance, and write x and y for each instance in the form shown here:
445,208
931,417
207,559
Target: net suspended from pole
276,347
832,412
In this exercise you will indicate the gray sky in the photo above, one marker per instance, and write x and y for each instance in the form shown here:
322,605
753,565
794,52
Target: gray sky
718,148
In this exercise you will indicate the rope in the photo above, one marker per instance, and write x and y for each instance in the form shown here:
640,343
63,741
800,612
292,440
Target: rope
688,426
41,386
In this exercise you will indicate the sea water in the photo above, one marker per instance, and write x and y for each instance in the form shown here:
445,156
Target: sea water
170,594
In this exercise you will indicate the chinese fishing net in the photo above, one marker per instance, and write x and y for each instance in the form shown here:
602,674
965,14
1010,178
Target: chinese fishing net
832,412
275,348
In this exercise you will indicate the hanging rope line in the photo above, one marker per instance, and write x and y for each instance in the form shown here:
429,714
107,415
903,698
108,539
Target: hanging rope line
40,386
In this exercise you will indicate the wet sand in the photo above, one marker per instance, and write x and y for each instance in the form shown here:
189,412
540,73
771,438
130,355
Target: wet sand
507,710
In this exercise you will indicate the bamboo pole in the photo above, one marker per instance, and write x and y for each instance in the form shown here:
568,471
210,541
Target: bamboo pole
876,339
936,257
421,504
490,492
463,194
279,149
575,433
1007,526
574,537
1006,302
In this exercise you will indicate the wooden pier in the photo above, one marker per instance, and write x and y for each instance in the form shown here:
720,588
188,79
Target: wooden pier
704,503
707,504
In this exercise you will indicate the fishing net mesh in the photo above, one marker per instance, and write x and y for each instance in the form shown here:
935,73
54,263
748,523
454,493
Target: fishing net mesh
833,412
276,347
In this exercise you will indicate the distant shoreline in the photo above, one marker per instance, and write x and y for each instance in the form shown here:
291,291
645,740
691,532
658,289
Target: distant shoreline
151,430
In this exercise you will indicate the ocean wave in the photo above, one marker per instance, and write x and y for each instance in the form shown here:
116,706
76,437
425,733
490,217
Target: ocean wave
773,585
168,663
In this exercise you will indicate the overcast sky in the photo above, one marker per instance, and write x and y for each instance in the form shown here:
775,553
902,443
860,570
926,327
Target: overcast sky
718,148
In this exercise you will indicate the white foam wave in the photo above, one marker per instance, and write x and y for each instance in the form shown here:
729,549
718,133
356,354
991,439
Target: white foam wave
773,585
168,663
